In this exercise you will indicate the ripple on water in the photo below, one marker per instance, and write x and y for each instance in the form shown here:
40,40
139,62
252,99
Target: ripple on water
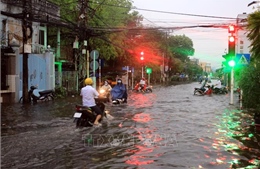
169,128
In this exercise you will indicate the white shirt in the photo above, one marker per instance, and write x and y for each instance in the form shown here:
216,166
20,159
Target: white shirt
89,94
218,85
106,87
142,82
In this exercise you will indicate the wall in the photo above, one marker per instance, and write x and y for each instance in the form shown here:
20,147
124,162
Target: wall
41,72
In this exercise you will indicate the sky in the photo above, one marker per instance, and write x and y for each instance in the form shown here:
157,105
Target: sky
209,43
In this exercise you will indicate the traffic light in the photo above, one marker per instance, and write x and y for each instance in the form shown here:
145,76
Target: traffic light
231,29
231,41
231,63
142,56
231,46
148,70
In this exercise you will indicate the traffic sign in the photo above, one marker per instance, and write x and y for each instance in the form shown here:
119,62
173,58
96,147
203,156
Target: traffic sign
94,54
94,67
124,68
242,59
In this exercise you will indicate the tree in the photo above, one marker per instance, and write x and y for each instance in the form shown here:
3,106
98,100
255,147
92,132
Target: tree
253,35
181,47
249,80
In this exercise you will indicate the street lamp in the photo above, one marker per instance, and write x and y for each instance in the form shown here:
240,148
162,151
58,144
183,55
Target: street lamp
142,60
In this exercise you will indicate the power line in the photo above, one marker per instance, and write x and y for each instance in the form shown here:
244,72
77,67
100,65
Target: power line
167,12
187,14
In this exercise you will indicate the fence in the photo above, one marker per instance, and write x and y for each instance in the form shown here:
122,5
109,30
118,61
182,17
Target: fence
70,81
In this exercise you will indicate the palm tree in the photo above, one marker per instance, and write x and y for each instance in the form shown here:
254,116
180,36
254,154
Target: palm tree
249,80
254,34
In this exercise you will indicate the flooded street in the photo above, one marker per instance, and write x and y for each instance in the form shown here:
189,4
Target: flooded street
169,128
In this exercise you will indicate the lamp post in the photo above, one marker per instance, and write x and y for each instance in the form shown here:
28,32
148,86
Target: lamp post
142,60
231,63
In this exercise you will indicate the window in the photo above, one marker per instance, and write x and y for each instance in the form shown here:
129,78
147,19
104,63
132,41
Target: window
41,37
4,36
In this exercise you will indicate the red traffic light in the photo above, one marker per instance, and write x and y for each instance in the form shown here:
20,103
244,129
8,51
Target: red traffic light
231,29
231,39
142,58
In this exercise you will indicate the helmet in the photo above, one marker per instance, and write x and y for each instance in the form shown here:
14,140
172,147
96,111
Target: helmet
88,81
119,81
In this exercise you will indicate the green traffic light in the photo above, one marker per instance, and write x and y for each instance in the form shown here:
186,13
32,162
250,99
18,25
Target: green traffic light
231,63
148,70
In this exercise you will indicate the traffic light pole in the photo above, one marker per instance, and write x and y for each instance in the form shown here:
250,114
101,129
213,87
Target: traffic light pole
149,79
142,70
231,57
232,86
142,61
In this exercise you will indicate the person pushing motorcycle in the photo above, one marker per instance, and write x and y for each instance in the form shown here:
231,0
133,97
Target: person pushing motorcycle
142,84
89,94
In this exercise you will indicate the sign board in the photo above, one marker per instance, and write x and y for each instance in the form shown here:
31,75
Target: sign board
128,69
94,65
124,68
242,59
94,54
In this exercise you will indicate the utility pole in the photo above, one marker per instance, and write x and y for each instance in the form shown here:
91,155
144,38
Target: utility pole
25,25
231,57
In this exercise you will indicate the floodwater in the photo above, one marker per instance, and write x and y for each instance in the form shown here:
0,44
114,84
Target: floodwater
169,128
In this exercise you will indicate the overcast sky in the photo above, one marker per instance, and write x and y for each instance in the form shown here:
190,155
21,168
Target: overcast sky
209,43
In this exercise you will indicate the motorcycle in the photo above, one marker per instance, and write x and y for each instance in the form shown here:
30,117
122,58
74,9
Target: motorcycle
203,91
104,94
119,94
44,95
85,116
146,89
222,90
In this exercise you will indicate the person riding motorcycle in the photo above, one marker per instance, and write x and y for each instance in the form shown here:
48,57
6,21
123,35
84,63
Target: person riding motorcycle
204,84
142,84
105,90
89,94
218,85
119,92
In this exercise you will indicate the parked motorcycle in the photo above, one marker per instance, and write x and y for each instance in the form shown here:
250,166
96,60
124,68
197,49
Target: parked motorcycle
207,90
44,95
85,116
146,89
222,90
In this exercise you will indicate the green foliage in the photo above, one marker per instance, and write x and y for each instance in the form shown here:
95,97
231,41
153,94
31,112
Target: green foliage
249,82
181,47
193,69
253,35
60,92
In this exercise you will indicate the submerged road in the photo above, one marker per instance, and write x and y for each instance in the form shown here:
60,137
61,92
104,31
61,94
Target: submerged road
169,128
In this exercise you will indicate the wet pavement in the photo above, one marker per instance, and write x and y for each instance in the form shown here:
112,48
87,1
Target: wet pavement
169,128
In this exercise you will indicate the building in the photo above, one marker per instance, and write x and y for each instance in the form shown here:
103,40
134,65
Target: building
243,44
195,61
40,58
206,67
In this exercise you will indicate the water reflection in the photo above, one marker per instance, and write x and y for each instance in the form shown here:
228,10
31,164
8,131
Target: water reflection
236,136
143,147
19,117
168,128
